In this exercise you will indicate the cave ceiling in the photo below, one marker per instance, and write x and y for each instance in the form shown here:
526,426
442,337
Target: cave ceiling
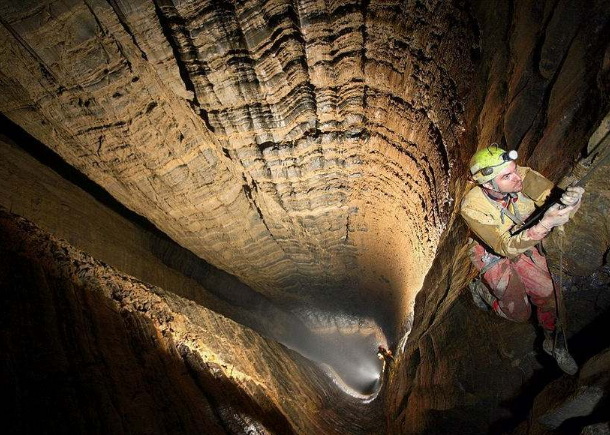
306,147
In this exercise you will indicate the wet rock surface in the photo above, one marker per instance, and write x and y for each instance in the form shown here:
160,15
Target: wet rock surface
305,148
87,349
466,371
316,151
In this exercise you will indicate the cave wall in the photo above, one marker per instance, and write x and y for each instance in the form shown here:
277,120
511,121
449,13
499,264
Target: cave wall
542,88
460,366
88,218
87,349
573,404
304,147
49,195
319,156
33,190
543,79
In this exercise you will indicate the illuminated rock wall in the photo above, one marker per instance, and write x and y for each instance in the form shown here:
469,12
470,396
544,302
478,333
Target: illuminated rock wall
305,147
87,349
316,150
542,88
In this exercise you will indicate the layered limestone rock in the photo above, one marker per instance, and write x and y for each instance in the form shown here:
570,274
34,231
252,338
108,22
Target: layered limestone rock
35,191
542,89
304,147
90,220
87,349
315,150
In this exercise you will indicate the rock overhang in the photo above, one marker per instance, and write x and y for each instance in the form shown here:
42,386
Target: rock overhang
303,148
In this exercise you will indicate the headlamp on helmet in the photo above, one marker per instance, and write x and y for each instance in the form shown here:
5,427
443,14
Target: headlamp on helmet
488,162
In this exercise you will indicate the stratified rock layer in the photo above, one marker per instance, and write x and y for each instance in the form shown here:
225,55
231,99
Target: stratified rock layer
542,88
311,148
86,349
305,147
104,230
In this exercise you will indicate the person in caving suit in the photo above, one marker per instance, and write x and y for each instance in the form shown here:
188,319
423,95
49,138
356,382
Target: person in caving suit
384,354
513,274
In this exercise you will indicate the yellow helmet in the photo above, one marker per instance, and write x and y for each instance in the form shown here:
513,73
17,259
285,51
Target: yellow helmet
485,164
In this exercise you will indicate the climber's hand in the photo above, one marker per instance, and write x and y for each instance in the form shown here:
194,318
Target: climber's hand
572,196
556,215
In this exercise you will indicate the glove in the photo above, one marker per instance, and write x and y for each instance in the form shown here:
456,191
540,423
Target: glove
572,196
556,216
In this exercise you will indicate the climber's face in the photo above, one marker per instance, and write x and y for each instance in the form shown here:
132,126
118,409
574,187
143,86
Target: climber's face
507,181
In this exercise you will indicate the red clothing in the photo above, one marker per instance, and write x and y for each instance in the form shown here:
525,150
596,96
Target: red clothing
511,281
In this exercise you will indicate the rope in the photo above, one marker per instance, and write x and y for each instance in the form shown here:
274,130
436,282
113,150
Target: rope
561,308
535,217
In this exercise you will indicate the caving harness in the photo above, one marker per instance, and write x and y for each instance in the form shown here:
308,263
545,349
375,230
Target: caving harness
504,206
507,206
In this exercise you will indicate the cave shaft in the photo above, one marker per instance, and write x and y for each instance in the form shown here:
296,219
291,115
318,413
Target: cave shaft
301,146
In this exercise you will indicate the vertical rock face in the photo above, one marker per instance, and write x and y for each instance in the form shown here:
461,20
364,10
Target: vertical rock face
543,79
542,88
305,147
87,349
313,150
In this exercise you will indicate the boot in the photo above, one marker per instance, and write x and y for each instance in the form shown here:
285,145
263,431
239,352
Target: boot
561,354
481,295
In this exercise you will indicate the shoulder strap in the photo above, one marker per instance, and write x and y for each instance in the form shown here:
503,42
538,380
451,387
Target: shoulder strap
504,211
